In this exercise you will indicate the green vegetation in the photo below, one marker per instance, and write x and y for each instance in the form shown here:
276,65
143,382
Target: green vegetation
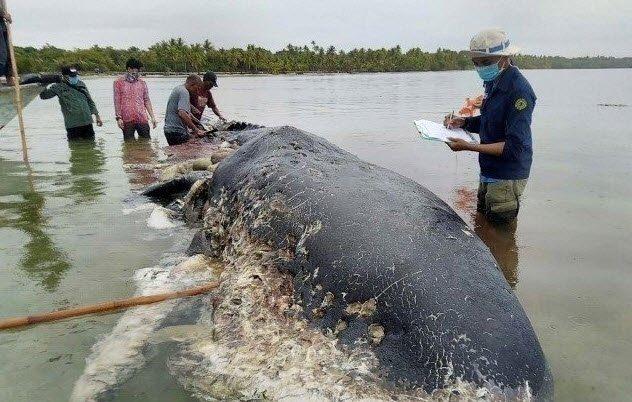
175,55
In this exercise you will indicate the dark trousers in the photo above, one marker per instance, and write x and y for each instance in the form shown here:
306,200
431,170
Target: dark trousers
141,128
176,137
80,133
5,60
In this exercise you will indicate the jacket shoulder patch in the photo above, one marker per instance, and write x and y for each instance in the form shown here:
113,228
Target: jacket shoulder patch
521,104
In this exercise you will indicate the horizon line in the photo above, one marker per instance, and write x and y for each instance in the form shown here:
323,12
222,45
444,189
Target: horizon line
346,50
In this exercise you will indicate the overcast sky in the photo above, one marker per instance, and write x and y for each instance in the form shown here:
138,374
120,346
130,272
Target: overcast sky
551,27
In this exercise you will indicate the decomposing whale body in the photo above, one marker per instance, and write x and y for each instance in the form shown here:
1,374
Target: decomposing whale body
370,258
339,280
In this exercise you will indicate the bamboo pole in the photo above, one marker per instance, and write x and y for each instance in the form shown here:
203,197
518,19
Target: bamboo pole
103,307
17,95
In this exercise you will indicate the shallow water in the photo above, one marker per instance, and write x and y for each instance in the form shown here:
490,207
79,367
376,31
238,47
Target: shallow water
65,240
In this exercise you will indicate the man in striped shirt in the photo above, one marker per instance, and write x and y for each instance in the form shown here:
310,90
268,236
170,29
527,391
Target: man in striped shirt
132,104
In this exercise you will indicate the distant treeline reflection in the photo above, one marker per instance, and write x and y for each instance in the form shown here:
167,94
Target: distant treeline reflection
175,55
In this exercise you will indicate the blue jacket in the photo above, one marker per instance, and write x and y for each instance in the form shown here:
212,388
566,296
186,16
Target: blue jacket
506,116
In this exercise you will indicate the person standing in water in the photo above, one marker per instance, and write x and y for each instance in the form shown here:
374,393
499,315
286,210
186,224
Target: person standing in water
76,104
132,103
5,60
504,125
178,118
204,98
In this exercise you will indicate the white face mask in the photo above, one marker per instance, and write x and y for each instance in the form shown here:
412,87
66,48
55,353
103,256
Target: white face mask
131,77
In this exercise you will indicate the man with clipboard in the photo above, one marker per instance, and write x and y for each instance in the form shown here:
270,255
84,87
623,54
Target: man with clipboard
504,126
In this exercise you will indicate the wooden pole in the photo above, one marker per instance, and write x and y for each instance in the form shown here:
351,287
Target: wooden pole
103,307
17,95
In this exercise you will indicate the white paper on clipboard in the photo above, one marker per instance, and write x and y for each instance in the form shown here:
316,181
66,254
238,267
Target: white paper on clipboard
430,130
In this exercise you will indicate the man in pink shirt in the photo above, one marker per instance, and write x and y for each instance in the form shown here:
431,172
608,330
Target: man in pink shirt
132,104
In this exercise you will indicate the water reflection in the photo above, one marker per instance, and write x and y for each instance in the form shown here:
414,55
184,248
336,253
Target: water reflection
500,238
86,160
23,210
139,159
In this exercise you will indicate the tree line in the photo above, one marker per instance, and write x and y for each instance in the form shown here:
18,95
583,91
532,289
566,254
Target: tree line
175,55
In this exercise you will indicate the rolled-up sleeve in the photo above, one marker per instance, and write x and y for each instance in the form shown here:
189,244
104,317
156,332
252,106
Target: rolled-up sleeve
184,101
518,125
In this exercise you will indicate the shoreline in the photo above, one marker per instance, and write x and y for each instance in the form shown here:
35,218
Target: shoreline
155,74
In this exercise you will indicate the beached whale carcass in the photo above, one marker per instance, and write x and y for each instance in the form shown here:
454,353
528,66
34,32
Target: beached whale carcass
375,259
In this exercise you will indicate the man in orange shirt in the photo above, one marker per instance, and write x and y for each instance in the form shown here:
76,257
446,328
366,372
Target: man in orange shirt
204,98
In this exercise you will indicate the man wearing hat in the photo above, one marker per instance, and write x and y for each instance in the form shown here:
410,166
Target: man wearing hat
76,104
504,126
204,97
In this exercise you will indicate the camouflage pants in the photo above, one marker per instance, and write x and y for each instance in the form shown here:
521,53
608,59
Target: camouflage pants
500,201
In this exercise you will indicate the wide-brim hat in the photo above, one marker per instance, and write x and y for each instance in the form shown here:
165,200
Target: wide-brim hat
491,42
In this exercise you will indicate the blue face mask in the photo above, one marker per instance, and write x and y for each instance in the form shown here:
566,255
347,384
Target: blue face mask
73,80
488,73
